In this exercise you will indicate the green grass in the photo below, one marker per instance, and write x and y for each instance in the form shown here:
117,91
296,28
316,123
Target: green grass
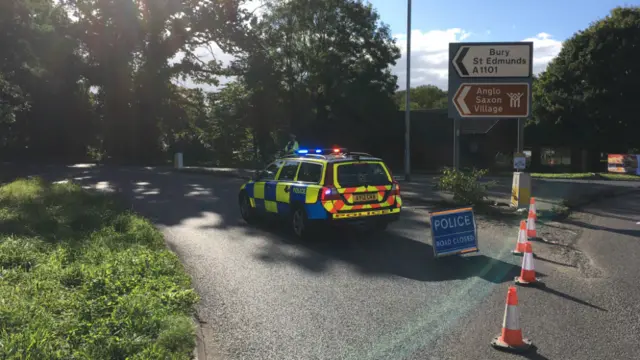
82,279
614,176
563,175
594,176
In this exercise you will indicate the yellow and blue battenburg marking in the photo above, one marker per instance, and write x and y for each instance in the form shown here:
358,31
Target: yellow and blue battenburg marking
277,198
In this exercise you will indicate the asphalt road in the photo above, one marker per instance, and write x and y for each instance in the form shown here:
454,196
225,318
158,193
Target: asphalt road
266,296
590,305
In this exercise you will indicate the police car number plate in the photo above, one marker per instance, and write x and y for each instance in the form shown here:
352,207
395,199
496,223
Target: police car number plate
365,197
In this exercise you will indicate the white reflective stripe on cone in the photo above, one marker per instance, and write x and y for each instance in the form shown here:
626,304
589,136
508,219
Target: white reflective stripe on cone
531,224
527,261
511,320
522,236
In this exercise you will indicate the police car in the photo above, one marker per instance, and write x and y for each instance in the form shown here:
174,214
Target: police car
323,186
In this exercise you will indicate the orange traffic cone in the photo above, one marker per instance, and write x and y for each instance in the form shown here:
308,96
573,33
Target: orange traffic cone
528,271
531,226
532,208
511,336
522,239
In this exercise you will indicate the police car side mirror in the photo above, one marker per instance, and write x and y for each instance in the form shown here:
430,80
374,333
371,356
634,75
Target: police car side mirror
258,174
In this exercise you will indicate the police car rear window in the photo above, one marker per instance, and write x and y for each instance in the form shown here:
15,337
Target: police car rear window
310,172
362,173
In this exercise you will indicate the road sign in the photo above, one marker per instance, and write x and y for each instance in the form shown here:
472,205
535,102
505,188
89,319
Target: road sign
494,60
492,100
500,63
453,232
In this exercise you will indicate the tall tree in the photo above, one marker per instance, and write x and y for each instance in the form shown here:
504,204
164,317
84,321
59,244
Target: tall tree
588,94
333,60
423,97
47,102
130,46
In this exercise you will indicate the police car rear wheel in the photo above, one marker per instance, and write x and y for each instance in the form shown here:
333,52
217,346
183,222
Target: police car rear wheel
245,208
299,222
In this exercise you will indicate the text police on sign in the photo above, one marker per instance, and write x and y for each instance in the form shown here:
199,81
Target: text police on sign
453,232
513,60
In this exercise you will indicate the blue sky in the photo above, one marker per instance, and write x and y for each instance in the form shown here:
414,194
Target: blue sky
507,20
435,23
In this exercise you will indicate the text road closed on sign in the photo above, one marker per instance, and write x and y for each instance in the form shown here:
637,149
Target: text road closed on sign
453,232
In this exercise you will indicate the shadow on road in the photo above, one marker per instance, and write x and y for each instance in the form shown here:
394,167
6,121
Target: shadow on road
538,257
571,298
533,354
385,254
209,202
627,232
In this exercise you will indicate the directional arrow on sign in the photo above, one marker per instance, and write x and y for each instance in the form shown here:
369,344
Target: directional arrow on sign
457,61
461,104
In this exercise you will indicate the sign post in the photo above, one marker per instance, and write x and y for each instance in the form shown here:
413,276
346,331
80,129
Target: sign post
453,232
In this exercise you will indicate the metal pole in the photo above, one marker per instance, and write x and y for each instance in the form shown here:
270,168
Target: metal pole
521,123
407,110
456,144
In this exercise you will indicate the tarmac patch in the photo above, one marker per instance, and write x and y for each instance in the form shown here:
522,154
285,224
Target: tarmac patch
560,248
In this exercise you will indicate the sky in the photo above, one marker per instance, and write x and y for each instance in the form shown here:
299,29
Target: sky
436,23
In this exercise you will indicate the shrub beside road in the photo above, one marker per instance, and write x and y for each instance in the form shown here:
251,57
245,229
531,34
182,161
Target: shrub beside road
81,278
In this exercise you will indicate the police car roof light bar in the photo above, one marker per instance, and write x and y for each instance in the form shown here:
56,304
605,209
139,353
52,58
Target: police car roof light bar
316,156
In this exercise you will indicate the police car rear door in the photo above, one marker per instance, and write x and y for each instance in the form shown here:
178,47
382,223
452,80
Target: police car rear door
284,184
264,187
363,184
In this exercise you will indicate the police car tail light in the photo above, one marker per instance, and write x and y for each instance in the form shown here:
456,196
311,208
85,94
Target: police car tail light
395,188
329,193
335,151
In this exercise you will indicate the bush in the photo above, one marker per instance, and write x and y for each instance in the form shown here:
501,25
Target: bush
82,279
465,185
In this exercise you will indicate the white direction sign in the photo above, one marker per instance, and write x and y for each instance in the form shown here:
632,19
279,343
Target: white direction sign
489,61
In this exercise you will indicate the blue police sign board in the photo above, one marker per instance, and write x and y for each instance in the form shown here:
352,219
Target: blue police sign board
453,232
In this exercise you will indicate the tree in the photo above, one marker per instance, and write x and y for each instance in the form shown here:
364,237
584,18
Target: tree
129,47
422,98
587,95
45,106
331,61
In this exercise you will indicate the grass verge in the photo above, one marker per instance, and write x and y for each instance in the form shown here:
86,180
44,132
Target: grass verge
619,177
564,175
587,176
82,279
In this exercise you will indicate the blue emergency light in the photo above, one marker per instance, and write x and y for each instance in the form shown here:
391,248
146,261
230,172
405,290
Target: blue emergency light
330,151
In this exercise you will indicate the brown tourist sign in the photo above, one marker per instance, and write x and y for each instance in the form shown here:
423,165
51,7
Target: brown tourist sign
487,100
